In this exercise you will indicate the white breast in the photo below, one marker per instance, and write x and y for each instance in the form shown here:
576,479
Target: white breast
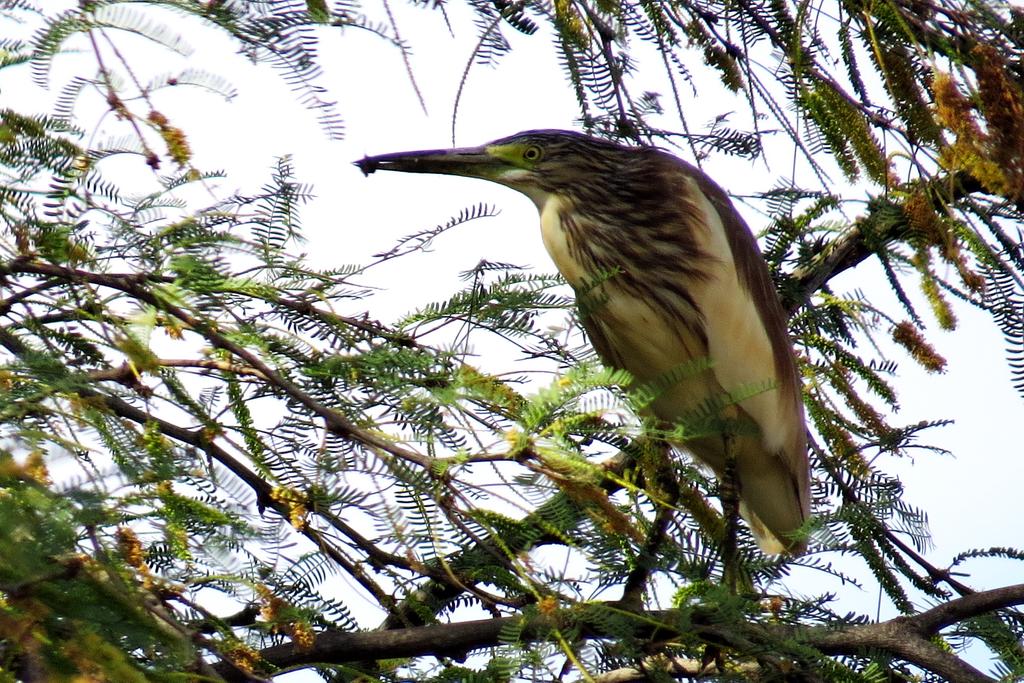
555,240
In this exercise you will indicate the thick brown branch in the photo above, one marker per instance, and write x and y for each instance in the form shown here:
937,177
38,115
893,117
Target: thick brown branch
908,638
949,613
901,637
876,228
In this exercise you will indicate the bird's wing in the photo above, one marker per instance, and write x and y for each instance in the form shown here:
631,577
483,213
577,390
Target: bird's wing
746,330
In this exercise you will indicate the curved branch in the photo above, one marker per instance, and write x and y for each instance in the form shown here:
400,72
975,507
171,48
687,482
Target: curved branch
954,611
908,638
872,231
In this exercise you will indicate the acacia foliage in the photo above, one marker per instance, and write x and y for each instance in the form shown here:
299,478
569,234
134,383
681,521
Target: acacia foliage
203,436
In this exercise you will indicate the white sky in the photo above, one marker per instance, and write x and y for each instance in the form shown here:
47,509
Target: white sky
970,498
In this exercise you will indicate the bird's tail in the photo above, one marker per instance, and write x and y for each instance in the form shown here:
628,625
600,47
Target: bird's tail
768,541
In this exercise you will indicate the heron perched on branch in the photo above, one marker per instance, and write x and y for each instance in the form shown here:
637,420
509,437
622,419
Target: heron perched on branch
678,278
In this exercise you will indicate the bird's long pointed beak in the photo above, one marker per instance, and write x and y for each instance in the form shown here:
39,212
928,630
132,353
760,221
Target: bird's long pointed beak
474,162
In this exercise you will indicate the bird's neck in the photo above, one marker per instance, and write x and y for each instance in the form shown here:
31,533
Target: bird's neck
556,230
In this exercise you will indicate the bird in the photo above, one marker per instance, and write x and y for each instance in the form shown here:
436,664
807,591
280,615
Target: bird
667,276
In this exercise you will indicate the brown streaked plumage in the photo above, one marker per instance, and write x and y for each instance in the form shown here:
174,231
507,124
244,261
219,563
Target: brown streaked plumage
679,277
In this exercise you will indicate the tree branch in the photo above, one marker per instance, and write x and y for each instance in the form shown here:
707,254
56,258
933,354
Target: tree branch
954,611
134,285
908,638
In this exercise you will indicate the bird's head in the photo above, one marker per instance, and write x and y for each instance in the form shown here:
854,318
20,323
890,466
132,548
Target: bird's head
538,163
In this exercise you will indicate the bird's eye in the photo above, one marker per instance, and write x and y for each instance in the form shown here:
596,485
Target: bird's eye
532,153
